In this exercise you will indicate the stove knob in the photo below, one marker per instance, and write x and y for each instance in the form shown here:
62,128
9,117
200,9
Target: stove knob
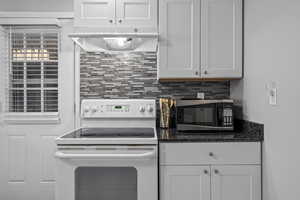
142,109
94,109
86,109
149,108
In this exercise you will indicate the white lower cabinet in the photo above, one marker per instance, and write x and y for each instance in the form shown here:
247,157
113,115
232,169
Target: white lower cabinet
185,183
239,182
221,177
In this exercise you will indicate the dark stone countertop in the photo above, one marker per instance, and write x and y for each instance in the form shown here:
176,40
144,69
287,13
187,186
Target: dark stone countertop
245,131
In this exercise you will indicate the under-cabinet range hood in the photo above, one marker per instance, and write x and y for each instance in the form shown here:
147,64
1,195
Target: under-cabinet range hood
116,42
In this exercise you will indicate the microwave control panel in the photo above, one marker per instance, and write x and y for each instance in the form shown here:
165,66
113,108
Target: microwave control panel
227,117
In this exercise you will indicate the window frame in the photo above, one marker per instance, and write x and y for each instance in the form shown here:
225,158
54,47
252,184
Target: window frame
31,117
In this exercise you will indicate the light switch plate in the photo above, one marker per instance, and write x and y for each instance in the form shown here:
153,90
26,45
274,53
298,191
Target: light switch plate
272,93
273,96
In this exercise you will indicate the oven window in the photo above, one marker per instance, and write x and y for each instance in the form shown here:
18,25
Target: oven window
198,115
106,183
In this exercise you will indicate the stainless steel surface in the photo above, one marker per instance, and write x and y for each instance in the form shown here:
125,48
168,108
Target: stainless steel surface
191,127
199,101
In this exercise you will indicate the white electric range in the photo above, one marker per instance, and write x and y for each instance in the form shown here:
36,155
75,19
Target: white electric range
113,156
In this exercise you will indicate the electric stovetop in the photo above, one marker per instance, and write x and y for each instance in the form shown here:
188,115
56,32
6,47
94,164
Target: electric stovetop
111,133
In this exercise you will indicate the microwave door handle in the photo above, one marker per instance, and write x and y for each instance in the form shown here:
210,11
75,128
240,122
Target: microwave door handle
145,155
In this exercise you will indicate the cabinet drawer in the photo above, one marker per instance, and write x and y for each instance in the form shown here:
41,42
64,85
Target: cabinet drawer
209,153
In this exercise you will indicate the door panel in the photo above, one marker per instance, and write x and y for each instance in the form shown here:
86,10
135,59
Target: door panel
179,46
94,13
26,150
221,47
47,158
17,158
136,13
236,182
185,182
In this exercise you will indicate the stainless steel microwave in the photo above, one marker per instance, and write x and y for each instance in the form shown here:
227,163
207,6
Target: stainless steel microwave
204,115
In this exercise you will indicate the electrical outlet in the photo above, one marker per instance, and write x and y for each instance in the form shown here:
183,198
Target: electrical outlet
200,95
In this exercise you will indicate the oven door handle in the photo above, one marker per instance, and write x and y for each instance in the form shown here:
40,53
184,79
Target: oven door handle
146,155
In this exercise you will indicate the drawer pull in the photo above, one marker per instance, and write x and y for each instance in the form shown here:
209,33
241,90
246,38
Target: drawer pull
211,154
205,171
216,171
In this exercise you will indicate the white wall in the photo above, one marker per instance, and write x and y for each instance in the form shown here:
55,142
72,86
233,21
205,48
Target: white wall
36,5
272,53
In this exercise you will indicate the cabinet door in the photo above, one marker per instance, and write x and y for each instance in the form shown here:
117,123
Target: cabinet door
185,183
179,42
236,182
94,13
137,14
221,38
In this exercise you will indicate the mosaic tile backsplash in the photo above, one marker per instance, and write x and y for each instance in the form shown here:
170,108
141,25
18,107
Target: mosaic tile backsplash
133,75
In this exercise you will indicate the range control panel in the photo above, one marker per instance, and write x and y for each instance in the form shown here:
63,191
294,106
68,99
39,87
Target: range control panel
118,108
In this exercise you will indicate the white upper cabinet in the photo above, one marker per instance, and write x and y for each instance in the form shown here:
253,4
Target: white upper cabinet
200,39
179,40
221,38
139,13
91,13
129,15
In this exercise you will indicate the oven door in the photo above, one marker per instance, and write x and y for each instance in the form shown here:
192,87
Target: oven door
197,117
107,173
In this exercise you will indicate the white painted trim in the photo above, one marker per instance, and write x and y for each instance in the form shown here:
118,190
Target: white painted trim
31,118
29,21
36,15
77,84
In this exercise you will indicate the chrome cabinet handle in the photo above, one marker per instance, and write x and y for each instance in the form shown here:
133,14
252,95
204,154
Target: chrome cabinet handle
216,171
205,171
110,21
120,21
211,154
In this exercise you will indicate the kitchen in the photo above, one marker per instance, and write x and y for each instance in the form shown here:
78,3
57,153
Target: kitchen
88,89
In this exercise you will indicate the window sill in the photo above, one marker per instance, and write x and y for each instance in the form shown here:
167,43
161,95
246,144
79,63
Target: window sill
31,118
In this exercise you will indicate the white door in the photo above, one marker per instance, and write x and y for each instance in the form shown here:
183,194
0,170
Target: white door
94,13
185,182
221,38
137,14
27,150
236,182
179,42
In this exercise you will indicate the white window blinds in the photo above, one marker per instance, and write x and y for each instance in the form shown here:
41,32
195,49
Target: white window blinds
33,69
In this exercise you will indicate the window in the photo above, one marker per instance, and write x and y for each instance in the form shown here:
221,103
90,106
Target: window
33,69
